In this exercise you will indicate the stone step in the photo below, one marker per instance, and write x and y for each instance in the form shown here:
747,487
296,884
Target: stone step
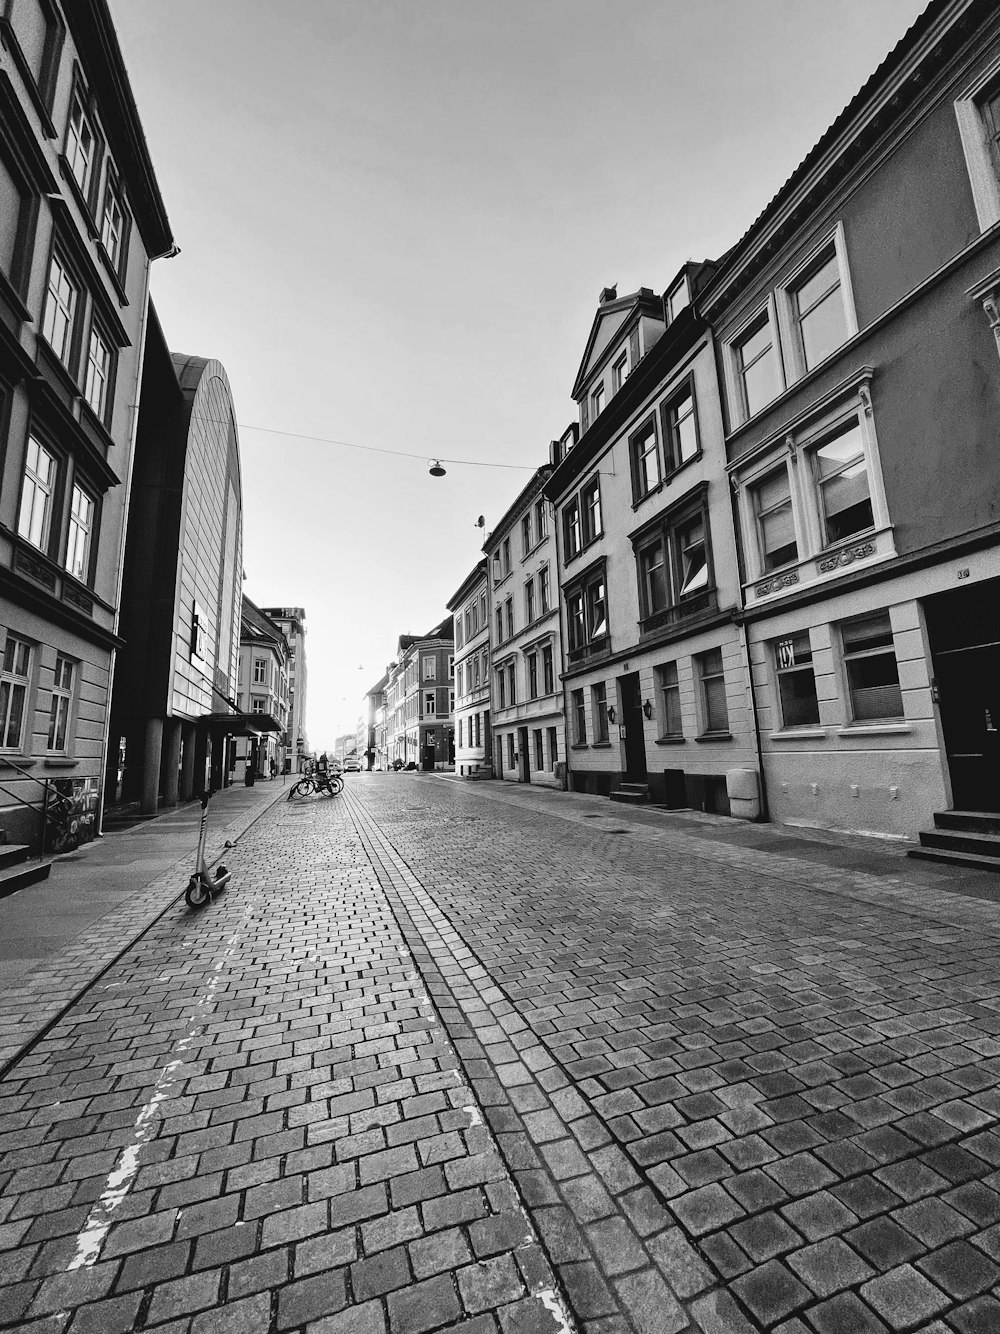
632,794
961,840
13,878
971,861
11,854
981,822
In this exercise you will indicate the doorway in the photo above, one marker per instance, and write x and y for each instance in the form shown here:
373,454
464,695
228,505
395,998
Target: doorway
523,758
631,719
965,641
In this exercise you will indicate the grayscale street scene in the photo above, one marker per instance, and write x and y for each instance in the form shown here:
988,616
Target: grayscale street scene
500,667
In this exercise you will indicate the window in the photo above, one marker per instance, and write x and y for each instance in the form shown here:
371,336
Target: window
680,428
757,365
772,504
599,710
552,736
511,757
451,664
541,526
483,614
506,555
511,685
459,679
60,310
579,719
81,144
474,670
258,705
818,309
597,402
260,671
430,703
539,752
653,578
468,623
430,669
526,542
451,701
543,590
459,636
548,679
872,673
572,539
677,299
479,739
645,460
692,553
113,222
81,526
461,743
36,498
529,601
619,372
14,679
793,662
842,477
475,618
98,373
587,613
508,607
532,661
499,625
199,634
501,689
715,714
669,694
591,497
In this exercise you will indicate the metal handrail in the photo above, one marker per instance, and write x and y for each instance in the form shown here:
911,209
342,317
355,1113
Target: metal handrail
47,790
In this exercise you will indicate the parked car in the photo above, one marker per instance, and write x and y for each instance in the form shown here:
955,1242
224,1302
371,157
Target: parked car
352,766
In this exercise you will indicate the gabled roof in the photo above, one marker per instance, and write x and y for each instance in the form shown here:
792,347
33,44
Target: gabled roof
255,625
613,314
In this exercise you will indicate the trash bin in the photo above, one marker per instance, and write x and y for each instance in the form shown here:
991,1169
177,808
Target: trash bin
249,777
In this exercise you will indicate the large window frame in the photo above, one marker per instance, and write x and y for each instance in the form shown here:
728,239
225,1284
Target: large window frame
746,358
644,456
675,574
82,530
668,699
64,302
83,145
587,617
795,681
60,704
679,426
15,690
99,379
713,702
978,126
871,669
39,494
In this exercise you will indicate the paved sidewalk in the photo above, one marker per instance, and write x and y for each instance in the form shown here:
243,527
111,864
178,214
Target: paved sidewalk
57,936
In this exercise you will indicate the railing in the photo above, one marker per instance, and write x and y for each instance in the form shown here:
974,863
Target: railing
54,808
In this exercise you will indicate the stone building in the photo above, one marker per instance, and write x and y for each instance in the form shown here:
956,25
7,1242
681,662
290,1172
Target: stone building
291,621
262,693
473,734
81,219
420,699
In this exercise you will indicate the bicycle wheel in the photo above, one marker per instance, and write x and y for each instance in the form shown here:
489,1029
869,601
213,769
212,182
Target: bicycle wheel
336,785
302,788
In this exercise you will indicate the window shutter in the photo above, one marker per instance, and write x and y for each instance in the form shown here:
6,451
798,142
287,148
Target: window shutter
633,347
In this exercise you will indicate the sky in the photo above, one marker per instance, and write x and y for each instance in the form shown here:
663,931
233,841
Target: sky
395,219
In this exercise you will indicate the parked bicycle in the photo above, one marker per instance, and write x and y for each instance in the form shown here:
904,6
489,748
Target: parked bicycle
330,784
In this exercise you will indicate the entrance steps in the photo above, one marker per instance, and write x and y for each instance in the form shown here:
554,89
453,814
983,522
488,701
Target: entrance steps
15,873
962,838
632,794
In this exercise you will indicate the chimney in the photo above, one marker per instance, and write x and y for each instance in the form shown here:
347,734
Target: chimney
609,294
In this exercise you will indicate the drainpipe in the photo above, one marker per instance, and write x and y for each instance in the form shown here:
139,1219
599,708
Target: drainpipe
745,643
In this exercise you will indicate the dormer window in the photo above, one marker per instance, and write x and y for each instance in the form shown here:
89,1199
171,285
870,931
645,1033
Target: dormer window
619,372
678,298
597,402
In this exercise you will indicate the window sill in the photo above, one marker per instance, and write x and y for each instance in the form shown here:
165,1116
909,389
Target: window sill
113,274
797,734
681,466
874,729
579,745
59,762
637,501
12,759
82,201
714,736
600,745
672,740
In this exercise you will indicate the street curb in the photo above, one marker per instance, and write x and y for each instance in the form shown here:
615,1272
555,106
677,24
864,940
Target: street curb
28,1012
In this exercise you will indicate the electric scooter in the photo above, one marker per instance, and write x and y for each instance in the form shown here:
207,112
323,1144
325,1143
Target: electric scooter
202,886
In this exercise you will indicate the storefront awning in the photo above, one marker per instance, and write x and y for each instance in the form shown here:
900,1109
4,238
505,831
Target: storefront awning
241,724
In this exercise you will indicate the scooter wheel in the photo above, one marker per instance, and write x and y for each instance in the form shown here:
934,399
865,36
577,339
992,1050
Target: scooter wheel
196,895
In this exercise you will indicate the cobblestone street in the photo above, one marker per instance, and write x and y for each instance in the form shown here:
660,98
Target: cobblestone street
466,1055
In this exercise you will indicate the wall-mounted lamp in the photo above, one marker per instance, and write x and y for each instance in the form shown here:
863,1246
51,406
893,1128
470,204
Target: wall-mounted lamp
611,713
647,708
436,470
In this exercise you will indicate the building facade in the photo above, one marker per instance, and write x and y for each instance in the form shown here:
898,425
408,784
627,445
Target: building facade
372,720
81,219
174,715
291,621
473,735
420,700
657,699
529,735
857,333
262,692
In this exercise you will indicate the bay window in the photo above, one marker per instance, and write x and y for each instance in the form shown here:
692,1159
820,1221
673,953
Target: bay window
673,562
587,612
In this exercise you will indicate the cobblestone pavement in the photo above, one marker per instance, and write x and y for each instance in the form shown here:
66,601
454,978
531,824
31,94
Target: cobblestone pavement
450,1055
